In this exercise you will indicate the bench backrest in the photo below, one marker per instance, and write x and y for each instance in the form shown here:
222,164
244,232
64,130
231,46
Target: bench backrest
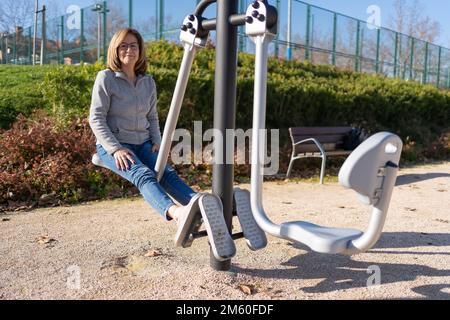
331,138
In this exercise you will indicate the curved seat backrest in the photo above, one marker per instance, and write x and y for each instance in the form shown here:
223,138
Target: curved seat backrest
363,170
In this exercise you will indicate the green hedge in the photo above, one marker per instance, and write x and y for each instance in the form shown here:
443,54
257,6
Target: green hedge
299,94
20,92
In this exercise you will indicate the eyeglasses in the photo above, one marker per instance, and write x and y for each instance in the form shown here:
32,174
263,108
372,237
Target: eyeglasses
124,46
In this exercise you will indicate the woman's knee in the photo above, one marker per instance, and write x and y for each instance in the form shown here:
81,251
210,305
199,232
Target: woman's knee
141,174
169,173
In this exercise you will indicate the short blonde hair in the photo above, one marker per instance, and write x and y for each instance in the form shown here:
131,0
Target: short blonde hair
113,61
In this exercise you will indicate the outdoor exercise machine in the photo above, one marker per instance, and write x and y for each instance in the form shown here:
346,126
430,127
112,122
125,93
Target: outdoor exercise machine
370,170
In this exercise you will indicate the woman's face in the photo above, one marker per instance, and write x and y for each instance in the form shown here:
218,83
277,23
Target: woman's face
129,51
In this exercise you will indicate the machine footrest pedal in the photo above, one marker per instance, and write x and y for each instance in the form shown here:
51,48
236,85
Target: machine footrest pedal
222,245
255,237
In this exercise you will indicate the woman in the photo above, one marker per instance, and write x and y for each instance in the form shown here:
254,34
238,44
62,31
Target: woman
124,119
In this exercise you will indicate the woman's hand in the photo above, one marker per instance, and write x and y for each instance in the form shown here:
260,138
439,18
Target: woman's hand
155,148
122,157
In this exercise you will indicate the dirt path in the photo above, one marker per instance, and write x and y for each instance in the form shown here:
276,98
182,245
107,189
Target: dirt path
107,242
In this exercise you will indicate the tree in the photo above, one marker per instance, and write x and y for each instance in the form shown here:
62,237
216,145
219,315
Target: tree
410,18
16,13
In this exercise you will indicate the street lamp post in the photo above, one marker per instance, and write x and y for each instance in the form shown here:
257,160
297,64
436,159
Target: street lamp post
98,8
36,5
44,35
101,10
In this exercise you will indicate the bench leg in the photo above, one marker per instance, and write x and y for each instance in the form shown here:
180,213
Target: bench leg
291,163
322,170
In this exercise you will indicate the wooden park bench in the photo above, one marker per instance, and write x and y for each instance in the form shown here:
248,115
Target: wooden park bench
318,142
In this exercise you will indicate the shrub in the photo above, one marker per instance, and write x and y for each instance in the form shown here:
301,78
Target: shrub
19,92
68,90
37,160
299,94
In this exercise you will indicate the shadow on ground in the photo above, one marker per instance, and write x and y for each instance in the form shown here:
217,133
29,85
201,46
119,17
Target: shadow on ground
413,178
341,272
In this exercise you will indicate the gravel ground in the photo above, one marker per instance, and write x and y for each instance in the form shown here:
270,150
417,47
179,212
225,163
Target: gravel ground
122,249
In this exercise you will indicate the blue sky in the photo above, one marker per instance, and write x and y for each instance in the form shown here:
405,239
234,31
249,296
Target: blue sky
437,9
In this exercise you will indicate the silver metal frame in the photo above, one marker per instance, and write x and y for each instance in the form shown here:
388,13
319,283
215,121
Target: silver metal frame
374,187
191,43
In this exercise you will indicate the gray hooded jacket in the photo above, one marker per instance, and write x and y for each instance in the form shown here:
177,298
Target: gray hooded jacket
123,113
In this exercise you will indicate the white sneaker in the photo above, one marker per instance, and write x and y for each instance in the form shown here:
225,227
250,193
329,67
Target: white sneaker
189,221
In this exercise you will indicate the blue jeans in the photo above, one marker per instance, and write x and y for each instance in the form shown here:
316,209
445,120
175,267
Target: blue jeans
143,176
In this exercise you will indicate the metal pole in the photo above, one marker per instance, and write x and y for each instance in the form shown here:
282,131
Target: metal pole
277,46
333,57
448,77
377,66
425,71
161,19
361,48
312,38
15,48
225,113
44,37
2,48
130,13
99,40
308,33
289,27
7,50
36,4
30,44
82,36
438,82
396,54
105,11
357,53
241,28
157,19
62,41
411,62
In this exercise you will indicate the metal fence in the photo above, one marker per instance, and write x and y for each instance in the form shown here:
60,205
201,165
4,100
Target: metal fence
316,34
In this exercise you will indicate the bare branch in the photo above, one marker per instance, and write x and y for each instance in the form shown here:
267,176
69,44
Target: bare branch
15,13
410,18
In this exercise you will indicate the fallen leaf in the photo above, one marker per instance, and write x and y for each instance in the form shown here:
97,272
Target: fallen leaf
411,209
442,190
22,208
247,289
45,239
286,202
153,253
